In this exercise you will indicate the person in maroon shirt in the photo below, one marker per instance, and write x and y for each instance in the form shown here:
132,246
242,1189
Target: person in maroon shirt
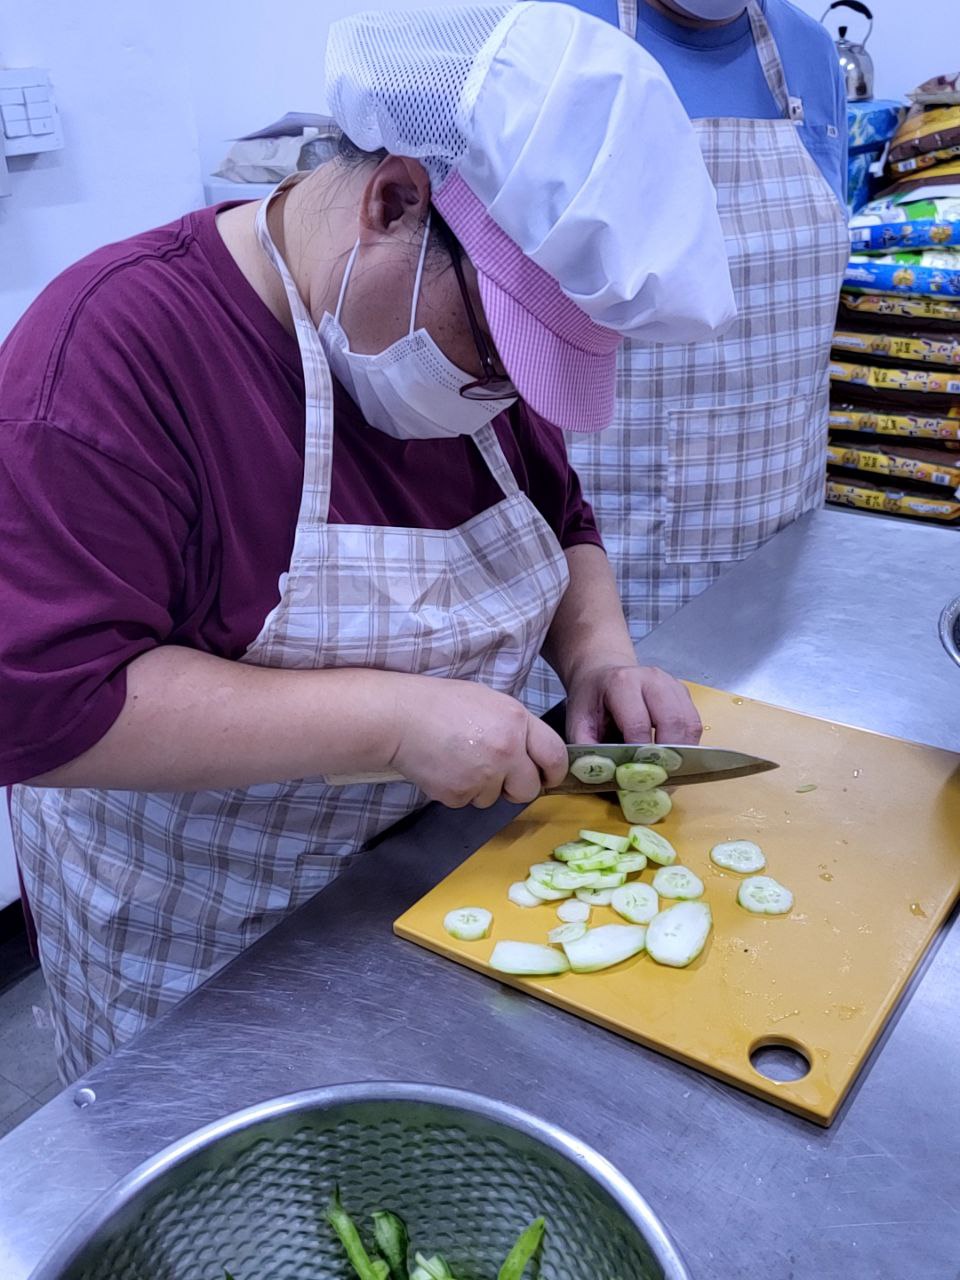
220,575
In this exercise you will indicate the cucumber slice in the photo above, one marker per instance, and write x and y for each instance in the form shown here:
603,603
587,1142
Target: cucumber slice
640,777
607,880
619,844
645,807
521,896
676,936
738,855
764,896
468,923
595,897
608,945
677,882
574,850
527,959
631,862
653,846
637,903
602,860
593,769
573,912
665,757
545,893
564,933
554,875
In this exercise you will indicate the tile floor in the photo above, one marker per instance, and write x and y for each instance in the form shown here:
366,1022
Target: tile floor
28,1075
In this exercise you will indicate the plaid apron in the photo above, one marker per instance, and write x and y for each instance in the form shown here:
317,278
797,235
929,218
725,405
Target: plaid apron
718,445
141,896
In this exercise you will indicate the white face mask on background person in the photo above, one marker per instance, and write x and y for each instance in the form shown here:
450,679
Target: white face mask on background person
410,390
708,10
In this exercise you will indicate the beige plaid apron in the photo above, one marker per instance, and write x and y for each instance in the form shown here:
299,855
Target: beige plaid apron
718,445
140,896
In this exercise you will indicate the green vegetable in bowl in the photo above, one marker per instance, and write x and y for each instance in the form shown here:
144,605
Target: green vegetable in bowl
526,1247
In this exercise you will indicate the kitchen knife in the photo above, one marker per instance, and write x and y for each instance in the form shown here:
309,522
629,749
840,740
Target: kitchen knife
683,765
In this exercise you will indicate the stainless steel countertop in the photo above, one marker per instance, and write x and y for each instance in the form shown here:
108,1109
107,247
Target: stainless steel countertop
837,616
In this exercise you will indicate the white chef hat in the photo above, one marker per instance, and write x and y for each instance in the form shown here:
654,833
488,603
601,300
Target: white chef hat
564,162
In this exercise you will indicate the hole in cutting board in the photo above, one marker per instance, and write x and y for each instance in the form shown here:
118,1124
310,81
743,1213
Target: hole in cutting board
780,1060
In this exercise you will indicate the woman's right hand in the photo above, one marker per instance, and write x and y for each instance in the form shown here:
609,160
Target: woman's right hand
463,743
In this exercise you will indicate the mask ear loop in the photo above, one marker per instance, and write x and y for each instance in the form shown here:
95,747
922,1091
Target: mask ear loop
418,279
348,269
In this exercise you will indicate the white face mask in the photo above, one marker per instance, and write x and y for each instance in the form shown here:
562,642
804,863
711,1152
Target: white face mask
709,10
411,390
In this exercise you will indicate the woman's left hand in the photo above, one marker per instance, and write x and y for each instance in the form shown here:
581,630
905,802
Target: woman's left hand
630,702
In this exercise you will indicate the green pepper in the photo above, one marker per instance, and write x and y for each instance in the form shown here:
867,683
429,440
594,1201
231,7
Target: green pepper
527,1245
393,1241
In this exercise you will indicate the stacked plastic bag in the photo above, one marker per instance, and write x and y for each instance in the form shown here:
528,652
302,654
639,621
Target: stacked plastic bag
895,373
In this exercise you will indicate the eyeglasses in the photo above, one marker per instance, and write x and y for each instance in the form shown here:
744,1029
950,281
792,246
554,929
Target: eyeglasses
491,385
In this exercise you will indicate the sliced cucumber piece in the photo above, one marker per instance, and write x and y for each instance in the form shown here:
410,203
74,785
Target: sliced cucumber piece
631,862
574,850
640,777
595,897
468,923
764,896
619,844
644,807
573,912
593,769
556,875
665,757
564,933
567,878
738,855
677,882
653,846
637,903
527,958
607,880
602,860
676,936
608,945
521,896
545,893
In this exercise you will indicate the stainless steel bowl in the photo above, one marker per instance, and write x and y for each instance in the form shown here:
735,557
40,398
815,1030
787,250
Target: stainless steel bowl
247,1194
950,629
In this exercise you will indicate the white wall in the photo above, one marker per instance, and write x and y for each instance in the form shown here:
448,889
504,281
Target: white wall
912,40
130,159
245,73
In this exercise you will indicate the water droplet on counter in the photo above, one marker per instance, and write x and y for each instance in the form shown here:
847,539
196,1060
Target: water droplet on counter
825,875
917,910
857,772
848,1011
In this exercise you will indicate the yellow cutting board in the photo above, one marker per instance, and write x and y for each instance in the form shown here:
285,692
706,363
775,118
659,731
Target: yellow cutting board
872,856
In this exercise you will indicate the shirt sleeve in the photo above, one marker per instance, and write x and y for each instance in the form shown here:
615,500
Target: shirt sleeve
551,482
91,572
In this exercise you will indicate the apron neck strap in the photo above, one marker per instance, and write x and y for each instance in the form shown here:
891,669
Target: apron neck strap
489,446
771,63
317,382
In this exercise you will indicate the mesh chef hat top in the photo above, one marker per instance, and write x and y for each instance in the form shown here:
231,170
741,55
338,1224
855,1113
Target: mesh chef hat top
564,162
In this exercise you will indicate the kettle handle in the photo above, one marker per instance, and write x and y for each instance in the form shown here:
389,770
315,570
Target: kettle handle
857,6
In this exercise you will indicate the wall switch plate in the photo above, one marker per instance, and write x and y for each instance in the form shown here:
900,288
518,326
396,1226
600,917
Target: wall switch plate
29,120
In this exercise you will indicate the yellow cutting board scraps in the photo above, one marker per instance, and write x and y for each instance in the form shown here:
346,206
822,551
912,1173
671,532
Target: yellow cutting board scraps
864,829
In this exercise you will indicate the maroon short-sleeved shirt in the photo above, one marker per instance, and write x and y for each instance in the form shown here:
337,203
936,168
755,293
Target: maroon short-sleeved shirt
151,460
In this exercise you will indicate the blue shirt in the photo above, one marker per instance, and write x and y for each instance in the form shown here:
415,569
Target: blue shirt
716,72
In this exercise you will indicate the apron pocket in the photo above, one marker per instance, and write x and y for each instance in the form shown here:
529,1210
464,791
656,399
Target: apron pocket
738,475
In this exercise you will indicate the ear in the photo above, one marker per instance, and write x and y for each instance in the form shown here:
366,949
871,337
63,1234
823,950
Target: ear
396,197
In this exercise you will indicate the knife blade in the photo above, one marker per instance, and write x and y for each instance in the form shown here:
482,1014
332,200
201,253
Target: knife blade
695,764
684,764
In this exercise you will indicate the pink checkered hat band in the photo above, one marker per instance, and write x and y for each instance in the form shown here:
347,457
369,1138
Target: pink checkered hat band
553,351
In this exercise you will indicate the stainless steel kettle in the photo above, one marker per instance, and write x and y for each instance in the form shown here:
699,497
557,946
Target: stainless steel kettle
856,62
